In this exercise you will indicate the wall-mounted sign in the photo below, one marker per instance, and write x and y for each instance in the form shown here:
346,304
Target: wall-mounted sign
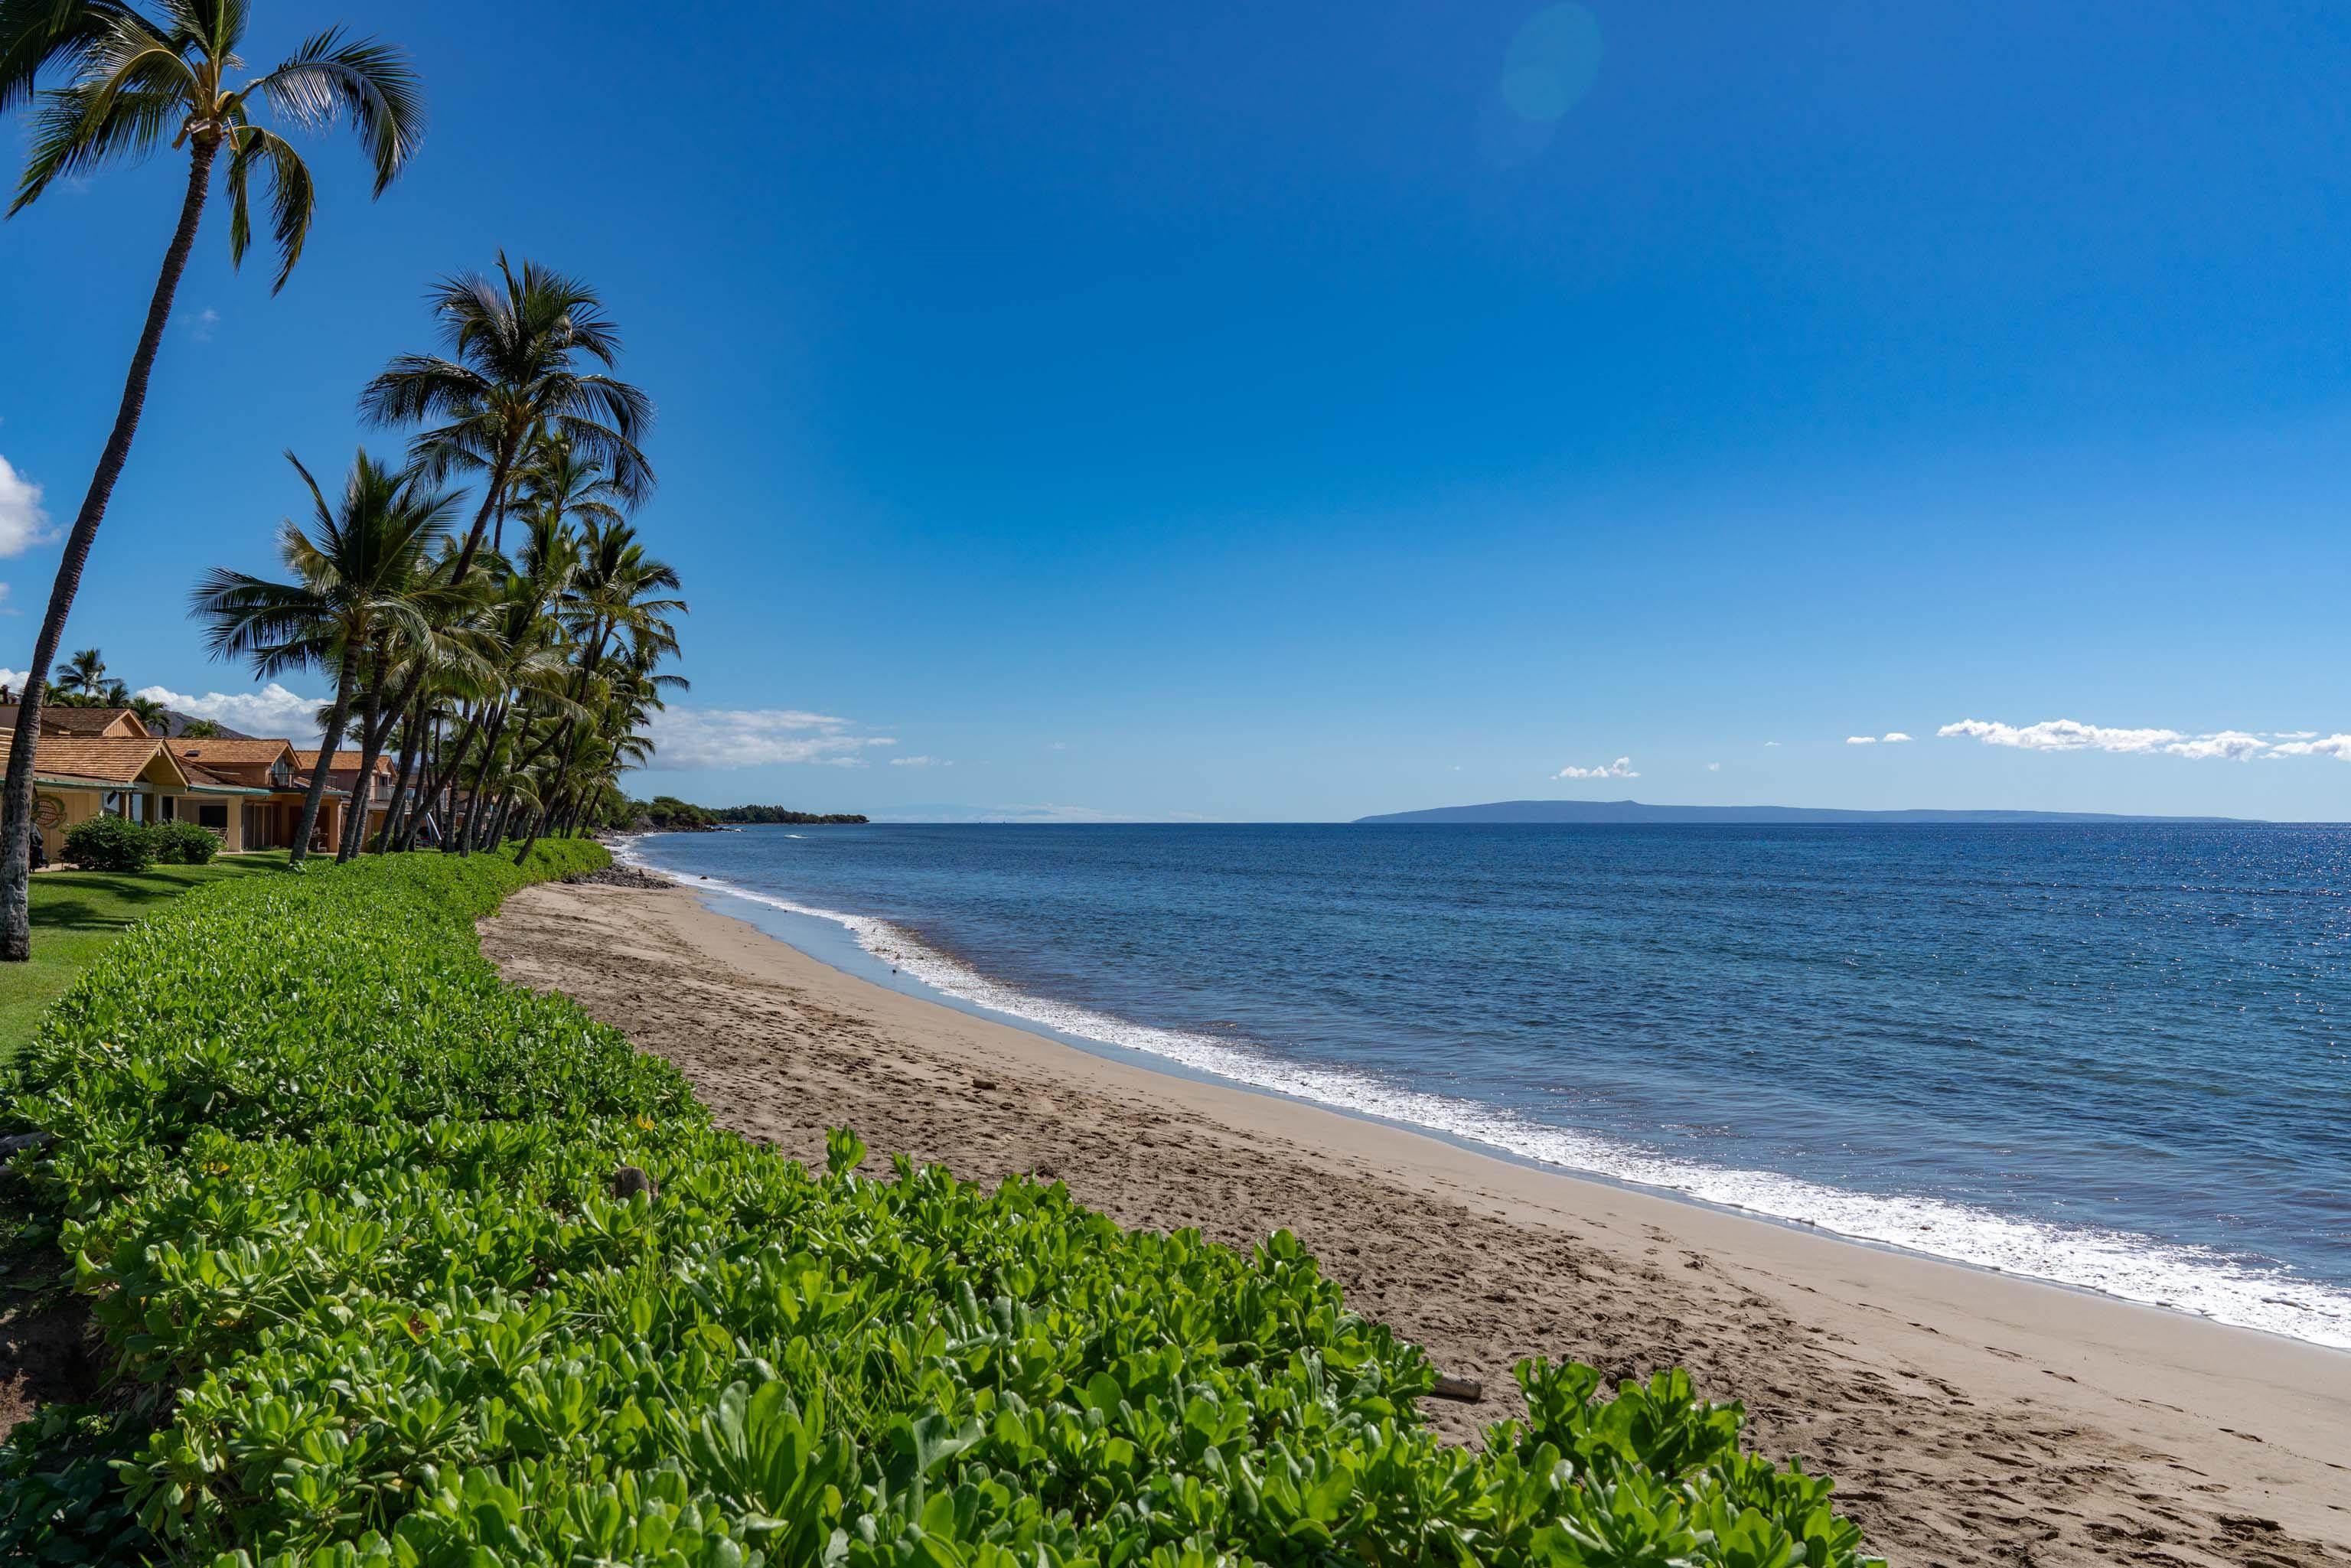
48,810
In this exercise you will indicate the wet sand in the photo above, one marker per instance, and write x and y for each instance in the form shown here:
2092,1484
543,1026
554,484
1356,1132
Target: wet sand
1970,1417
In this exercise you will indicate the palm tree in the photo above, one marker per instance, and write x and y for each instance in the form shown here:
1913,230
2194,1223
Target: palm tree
132,83
150,713
360,579
85,674
512,375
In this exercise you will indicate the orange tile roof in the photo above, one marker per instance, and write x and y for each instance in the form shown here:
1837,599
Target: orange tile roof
203,779
56,720
229,753
105,759
345,759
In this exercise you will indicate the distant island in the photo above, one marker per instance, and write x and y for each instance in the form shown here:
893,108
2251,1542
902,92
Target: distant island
667,813
1623,812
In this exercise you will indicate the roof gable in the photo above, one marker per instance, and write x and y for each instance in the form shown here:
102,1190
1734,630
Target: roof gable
109,760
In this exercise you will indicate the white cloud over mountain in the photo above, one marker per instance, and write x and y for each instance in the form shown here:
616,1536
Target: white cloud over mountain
757,737
269,713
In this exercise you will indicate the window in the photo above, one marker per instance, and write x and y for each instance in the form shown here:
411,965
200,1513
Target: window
280,774
213,815
170,808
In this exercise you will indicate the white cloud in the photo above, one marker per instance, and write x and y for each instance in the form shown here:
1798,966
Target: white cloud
2335,746
919,762
757,738
1714,767
1894,738
269,713
2061,734
1861,741
2069,735
201,325
2230,745
1769,744
2294,734
13,679
1620,768
22,524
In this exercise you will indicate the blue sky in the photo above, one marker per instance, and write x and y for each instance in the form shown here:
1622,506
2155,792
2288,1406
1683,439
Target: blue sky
1292,412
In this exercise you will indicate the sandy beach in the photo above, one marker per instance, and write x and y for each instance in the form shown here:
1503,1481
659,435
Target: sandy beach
1970,1417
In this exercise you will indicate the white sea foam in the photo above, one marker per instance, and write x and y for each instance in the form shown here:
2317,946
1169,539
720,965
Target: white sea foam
2116,1263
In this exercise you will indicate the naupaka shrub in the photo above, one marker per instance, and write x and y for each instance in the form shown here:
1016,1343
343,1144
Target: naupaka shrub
340,1202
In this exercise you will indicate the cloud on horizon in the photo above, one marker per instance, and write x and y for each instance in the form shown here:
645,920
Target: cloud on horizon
2308,744
269,713
757,738
1620,768
23,523
2070,734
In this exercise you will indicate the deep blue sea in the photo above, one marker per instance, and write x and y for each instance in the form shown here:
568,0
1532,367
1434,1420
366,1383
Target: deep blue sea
2113,1057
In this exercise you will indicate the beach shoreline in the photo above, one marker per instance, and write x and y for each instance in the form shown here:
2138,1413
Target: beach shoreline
1969,1415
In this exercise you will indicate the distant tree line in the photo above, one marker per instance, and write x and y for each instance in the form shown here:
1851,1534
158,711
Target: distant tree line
669,814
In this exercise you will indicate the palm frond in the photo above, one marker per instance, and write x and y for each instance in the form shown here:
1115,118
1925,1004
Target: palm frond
331,77
59,35
291,199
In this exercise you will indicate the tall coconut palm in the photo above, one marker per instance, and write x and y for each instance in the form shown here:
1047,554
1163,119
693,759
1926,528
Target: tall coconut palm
512,375
131,83
360,577
85,674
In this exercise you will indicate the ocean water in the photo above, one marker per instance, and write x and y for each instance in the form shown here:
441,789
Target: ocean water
2114,1057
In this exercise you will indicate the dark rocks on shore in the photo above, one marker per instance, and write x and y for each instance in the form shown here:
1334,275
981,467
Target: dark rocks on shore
619,876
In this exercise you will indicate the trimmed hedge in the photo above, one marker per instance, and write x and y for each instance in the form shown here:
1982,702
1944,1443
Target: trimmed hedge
183,844
341,1201
111,843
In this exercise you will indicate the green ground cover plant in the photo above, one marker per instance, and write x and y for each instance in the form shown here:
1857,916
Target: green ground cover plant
78,915
342,1205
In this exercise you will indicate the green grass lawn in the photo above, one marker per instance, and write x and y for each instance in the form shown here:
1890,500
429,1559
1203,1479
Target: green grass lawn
76,913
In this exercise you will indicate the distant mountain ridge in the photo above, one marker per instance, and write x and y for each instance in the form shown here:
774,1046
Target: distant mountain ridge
1634,811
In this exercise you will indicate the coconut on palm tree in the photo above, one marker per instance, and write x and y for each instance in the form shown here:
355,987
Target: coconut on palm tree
119,84
361,579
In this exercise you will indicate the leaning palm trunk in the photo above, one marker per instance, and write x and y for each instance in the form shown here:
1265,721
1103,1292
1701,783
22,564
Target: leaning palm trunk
411,724
317,790
541,822
363,783
481,780
17,795
444,779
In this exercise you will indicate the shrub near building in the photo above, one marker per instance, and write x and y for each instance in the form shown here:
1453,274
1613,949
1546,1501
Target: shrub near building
111,843
342,1203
